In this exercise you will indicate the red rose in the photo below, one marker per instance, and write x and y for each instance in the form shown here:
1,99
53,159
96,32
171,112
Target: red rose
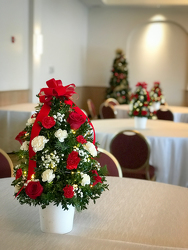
75,120
18,173
81,139
48,122
72,160
34,189
20,137
97,178
144,112
68,191
135,112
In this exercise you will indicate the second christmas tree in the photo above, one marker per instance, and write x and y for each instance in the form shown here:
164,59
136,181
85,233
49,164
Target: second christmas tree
119,86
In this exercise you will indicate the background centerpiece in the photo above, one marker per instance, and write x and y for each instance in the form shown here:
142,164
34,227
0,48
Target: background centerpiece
57,167
157,96
140,104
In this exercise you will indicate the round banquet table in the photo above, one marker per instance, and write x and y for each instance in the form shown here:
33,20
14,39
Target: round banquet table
180,113
133,214
168,141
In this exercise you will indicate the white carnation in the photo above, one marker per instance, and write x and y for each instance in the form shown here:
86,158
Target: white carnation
90,147
48,175
61,135
30,121
25,146
38,143
85,179
16,188
130,106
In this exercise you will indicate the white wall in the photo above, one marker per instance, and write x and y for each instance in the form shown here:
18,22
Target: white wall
110,28
70,32
64,28
63,25
13,56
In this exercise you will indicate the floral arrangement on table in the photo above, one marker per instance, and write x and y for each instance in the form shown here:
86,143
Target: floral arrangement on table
156,94
140,102
58,153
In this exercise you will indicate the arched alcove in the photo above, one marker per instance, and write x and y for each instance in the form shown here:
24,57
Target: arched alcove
157,51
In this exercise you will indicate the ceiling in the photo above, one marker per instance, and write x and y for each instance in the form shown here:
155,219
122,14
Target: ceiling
136,3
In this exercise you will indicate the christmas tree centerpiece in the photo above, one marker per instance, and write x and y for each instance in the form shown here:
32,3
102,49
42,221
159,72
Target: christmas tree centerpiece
57,154
156,95
119,85
140,103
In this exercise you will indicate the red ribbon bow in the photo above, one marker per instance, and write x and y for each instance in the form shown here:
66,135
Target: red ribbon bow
55,88
142,84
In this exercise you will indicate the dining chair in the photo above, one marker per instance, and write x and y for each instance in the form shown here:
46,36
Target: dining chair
112,101
132,151
106,111
92,109
164,114
6,165
106,158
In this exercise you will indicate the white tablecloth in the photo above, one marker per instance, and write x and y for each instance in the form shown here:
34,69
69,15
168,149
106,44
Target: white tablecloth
133,215
13,120
180,113
168,141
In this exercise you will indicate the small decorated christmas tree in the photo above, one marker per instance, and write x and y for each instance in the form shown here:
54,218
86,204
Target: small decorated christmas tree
140,102
119,86
57,154
156,94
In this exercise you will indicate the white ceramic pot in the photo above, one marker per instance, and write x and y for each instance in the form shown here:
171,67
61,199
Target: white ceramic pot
140,122
53,219
156,105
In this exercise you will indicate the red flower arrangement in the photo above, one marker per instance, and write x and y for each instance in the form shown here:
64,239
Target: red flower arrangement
57,156
140,101
156,93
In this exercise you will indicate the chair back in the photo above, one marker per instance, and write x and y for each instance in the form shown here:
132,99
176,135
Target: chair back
165,114
132,151
106,111
106,158
92,110
6,165
112,101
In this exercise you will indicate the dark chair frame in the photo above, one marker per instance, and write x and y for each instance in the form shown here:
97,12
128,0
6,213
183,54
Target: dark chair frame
92,109
111,113
165,114
111,101
144,167
108,154
9,161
